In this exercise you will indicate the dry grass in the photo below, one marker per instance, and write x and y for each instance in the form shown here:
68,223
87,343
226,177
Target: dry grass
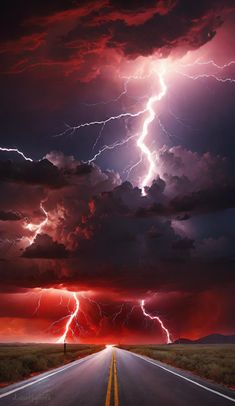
19,361
212,361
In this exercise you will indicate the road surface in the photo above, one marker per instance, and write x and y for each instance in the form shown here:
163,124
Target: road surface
115,377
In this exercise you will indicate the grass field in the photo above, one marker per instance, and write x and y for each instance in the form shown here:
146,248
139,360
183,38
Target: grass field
215,362
19,361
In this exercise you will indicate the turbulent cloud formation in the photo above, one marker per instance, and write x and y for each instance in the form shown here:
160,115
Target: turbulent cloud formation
126,239
38,173
45,247
74,219
9,216
84,37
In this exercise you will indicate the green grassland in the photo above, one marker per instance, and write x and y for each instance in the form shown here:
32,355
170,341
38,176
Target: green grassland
19,361
211,361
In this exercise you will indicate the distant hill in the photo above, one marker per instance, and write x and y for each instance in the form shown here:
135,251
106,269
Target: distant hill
183,341
210,339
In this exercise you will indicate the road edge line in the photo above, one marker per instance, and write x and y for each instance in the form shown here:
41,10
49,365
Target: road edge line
185,378
73,364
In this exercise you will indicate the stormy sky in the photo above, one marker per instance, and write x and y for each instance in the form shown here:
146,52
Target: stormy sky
73,214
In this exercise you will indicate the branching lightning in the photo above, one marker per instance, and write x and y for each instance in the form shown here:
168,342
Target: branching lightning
72,129
147,155
146,314
131,167
118,313
16,151
147,114
72,317
73,325
122,316
208,76
146,152
38,304
141,144
141,140
214,76
37,228
110,147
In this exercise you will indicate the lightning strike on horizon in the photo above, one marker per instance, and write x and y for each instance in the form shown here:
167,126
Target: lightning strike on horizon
4,149
72,323
72,317
166,331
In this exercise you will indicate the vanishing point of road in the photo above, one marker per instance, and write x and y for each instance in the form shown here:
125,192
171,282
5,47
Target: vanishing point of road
115,377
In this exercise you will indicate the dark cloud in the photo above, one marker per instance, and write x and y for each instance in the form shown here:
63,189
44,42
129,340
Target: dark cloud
87,32
10,216
45,247
114,235
15,15
203,201
136,4
83,169
214,199
40,173
183,244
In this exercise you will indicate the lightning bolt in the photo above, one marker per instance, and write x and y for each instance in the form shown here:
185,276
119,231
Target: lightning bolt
17,151
211,62
37,228
71,129
38,304
118,313
166,331
146,152
145,129
110,147
129,314
72,317
131,167
116,99
98,306
141,144
208,75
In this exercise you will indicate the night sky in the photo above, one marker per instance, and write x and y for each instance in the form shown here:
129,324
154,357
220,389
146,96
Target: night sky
76,214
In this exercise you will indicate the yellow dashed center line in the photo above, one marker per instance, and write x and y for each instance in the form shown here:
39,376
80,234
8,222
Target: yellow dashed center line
116,401
112,378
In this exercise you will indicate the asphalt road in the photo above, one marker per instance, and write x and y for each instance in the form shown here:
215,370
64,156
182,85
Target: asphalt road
115,377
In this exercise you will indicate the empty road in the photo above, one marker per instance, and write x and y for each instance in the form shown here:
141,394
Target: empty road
114,377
